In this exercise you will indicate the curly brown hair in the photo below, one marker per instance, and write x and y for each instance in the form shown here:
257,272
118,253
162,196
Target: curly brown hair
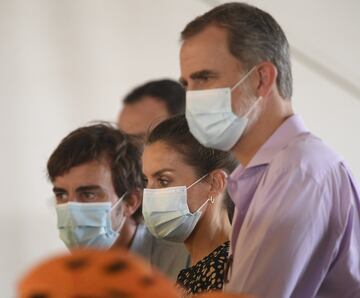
97,142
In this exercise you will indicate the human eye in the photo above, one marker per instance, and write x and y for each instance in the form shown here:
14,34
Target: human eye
204,77
163,182
88,196
61,197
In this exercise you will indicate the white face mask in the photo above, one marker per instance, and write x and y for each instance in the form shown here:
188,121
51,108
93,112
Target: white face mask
89,224
166,212
211,119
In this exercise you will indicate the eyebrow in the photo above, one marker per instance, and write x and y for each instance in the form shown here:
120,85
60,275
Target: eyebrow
160,172
88,188
199,75
79,189
203,73
58,189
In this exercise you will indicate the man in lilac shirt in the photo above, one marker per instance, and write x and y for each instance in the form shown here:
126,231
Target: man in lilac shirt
296,229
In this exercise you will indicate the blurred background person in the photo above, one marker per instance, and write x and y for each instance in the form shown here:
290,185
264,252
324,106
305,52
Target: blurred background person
97,182
186,201
150,102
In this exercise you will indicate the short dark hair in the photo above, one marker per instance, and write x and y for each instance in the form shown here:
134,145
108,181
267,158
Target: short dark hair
176,133
253,36
170,92
101,141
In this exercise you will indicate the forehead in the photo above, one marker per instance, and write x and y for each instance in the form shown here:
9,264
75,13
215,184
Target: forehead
209,48
136,118
160,155
90,173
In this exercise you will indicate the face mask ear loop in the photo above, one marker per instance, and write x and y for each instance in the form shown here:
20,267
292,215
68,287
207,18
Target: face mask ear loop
253,106
197,181
201,178
202,206
243,78
121,225
118,201
114,206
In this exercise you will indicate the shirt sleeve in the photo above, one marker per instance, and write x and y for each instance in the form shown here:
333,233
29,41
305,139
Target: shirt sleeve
282,233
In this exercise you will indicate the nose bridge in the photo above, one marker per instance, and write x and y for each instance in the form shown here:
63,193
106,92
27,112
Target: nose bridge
151,183
195,84
72,196
191,86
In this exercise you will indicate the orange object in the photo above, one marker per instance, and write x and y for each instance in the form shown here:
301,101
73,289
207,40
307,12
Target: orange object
95,274
220,294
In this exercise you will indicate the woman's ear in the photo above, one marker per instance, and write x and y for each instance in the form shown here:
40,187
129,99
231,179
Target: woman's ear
132,203
217,182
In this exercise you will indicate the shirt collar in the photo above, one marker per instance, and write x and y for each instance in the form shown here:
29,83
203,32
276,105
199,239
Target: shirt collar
284,135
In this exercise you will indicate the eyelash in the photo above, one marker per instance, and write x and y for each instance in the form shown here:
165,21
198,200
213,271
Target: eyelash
83,196
88,194
163,182
60,196
204,78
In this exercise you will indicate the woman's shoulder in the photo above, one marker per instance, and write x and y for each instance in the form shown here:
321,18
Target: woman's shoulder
218,254
222,250
207,274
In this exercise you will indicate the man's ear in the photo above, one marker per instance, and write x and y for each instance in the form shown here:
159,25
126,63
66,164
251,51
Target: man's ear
217,182
132,202
267,74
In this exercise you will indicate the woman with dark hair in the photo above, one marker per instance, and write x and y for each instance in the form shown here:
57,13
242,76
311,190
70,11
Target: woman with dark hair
186,201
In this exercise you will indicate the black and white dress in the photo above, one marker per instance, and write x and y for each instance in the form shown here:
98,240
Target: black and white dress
207,274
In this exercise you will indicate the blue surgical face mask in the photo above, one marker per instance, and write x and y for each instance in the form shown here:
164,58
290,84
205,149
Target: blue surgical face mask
166,212
88,224
211,119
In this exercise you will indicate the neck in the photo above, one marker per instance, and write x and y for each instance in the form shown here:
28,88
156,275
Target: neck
270,119
212,230
127,234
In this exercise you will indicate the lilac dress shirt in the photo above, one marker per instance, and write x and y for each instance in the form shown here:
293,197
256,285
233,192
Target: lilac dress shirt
296,228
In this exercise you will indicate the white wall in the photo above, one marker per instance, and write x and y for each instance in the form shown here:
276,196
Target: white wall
328,33
64,63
